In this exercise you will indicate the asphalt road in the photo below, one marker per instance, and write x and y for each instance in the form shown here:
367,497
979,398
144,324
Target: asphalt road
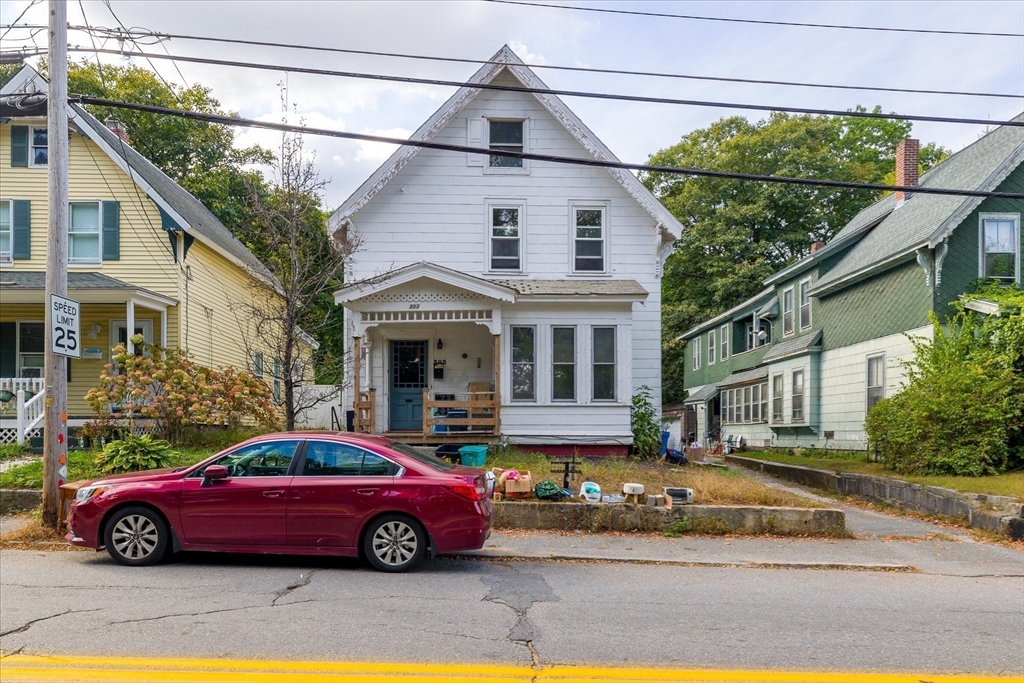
517,612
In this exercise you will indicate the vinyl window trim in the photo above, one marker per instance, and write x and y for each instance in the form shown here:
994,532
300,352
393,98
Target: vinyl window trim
573,363
490,205
614,363
1015,217
802,394
575,206
32,147
792,312
804,285
512,363
723,340
712,347
696,352
506,170
778,398
99,233
867,379
9,257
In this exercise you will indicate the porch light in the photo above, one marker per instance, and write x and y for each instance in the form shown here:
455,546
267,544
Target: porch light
440,344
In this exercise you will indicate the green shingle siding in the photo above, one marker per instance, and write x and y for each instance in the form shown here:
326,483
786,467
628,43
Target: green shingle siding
960,268
889,303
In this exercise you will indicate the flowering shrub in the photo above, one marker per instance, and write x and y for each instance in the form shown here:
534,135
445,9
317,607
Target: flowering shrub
177,394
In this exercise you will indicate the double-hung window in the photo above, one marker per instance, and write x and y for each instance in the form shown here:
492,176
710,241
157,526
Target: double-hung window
696,353
787,312
563,363
277,380
723,339
604,363
712,347
31,348
257,364
6,233
876,379
805,304
524,355
84,233
1000,247
588,239
506,238
38,150
728,407
755,406
778,384
764,401
798,396
505,136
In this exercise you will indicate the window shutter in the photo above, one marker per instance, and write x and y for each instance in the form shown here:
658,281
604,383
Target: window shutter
8,349
21,222
111,231
475,139
19,145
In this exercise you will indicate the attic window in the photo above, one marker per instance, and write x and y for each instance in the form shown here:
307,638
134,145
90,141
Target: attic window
506,136
38,147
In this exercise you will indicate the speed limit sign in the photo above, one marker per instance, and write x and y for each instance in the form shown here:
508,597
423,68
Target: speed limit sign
64,337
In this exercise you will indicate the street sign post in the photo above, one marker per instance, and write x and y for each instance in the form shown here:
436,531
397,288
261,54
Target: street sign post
64,332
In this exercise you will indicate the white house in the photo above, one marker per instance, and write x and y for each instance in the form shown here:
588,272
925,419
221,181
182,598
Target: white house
500,298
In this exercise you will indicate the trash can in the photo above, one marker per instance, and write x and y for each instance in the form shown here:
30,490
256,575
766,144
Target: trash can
350,420
664,442
473,456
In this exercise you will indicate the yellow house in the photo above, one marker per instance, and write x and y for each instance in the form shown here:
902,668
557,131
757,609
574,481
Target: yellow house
144,256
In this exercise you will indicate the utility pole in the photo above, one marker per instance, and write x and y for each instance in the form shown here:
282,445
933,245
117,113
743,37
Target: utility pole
55,447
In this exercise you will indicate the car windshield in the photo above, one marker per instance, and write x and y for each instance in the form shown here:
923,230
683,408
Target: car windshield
422,456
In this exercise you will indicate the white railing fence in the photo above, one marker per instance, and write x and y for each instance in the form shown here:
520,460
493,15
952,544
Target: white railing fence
30,412
13,384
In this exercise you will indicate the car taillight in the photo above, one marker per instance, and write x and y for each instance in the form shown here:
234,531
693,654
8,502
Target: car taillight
474,492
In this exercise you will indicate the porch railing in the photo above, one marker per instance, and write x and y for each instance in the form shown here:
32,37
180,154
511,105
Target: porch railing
31,384
366,412
30,413
474,412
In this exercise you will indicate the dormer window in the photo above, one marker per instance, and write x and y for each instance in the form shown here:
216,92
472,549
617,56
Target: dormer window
505,136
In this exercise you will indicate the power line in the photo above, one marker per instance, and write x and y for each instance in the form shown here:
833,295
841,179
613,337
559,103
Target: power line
160,37
733,20
598,163
18,18
583,69
553,91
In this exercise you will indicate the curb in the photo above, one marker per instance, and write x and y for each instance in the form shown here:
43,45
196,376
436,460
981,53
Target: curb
486,555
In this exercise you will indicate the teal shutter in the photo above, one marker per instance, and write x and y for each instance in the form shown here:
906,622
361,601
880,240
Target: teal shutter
19,145
21,222
111,231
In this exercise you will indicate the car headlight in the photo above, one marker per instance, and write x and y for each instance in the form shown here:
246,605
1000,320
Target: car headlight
86,492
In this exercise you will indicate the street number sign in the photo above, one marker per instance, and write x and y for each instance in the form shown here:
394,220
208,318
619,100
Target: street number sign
65,339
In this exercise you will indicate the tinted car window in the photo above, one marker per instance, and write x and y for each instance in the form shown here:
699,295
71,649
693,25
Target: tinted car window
325,459
375,466
265,459
422,456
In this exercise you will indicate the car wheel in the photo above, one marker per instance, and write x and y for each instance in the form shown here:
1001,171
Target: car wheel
394,543
136,536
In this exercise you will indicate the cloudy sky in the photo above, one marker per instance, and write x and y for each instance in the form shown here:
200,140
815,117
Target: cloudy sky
476,29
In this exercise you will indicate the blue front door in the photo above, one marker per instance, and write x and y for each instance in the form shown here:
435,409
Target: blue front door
408,380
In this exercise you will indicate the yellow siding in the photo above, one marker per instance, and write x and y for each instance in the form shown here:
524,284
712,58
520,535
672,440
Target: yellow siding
205,285
146,259
85,373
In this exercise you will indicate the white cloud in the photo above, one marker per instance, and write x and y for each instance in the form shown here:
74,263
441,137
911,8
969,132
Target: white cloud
524,53
377,152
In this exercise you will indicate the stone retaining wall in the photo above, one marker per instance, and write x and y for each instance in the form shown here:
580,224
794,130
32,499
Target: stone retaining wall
998,514
722,519
19,500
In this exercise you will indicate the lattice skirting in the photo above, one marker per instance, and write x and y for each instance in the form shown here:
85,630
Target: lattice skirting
10,435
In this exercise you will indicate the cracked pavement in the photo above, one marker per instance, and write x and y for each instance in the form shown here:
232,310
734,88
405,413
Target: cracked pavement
531,613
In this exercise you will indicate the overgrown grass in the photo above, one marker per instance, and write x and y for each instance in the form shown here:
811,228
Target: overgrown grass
711,485
81,465
1006,484
12,451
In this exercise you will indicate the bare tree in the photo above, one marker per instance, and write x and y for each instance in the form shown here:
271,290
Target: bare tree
286,313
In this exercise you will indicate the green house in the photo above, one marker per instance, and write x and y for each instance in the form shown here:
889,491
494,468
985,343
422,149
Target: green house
800,363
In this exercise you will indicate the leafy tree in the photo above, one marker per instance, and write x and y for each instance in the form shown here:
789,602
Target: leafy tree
962,409
737,233
199,156
7,71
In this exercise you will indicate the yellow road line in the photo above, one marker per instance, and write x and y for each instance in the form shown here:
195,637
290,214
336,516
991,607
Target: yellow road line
31,668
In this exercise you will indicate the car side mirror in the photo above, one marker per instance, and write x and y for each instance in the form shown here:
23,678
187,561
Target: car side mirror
213,473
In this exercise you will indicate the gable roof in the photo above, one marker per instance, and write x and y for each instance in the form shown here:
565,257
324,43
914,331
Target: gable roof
430,271
507,59
184,210
925,220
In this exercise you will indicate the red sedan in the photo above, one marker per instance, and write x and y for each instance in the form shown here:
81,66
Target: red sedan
299,493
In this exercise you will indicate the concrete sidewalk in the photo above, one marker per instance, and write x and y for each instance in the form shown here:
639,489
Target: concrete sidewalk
949,557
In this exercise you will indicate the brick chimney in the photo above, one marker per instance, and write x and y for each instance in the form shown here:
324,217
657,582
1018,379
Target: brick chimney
816,246
906,166
117,128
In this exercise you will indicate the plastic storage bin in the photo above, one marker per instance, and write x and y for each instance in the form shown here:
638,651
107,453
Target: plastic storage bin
473,456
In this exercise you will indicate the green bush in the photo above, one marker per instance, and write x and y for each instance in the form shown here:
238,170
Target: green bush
646,429
134,453
962,410
10,451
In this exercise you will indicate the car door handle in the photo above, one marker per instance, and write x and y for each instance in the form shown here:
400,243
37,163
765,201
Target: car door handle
366,492
276,493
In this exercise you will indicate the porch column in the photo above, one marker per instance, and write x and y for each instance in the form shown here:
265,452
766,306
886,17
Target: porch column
356,361
130,323
497,384
163,328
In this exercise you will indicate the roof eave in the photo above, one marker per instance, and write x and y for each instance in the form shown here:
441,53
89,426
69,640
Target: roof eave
751,302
